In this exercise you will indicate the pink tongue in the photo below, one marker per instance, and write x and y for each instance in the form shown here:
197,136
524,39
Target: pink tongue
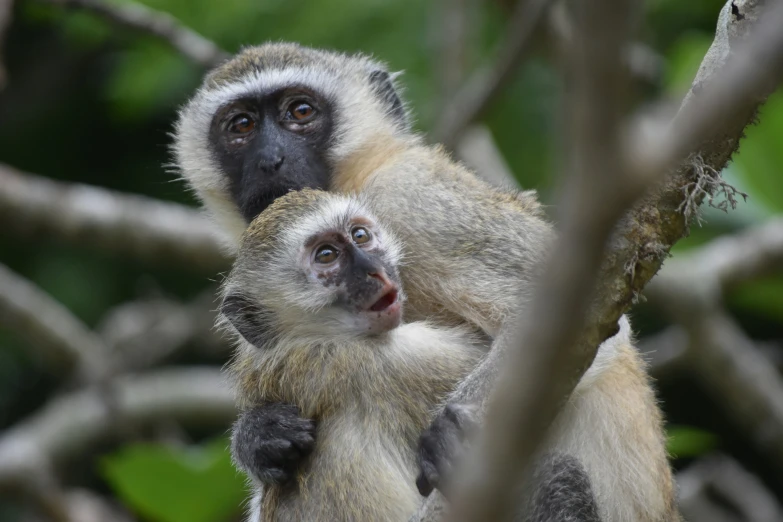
385,302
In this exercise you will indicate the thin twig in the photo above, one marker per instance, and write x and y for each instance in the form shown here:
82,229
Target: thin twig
133,225
482,87
156,23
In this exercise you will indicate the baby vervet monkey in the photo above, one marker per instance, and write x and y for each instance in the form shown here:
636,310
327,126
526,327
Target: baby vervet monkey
315,297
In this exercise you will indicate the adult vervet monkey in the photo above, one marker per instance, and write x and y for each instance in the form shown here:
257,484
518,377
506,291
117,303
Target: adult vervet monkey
282,117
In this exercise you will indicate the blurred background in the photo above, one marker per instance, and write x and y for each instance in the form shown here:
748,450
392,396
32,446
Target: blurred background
112,406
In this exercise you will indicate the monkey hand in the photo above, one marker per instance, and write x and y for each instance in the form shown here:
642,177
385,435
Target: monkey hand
270,441
443,443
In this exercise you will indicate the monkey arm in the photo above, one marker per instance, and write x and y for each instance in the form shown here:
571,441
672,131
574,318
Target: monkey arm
269,442
611,425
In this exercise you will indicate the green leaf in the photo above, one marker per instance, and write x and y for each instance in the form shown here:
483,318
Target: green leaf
684,60
687,441
166,484
760,298
759,162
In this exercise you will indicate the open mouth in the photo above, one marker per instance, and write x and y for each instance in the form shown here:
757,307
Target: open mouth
386,300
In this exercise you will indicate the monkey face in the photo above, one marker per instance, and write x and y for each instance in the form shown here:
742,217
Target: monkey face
350,265
278,118
314,264
268,144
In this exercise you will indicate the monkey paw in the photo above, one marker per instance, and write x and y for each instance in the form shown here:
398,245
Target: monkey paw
270,441
443,443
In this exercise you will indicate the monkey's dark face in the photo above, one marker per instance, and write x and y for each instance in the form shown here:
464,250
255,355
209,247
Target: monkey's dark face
350,264
270,144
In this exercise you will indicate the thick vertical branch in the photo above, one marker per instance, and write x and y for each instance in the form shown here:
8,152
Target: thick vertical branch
527,398
557,345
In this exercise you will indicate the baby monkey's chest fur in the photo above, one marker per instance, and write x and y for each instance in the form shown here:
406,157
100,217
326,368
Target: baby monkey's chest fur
371,400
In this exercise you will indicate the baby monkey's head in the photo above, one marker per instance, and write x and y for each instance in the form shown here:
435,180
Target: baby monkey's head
314,264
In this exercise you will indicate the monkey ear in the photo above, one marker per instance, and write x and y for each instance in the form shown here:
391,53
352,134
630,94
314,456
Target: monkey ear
249,319
383,85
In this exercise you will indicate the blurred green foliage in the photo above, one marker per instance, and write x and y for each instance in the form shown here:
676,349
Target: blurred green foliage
686,441
164,484
90,102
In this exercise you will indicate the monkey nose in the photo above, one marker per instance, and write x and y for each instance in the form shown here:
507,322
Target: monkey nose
271,164
380,276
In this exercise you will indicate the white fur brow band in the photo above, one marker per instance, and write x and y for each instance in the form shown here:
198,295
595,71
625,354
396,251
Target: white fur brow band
267,81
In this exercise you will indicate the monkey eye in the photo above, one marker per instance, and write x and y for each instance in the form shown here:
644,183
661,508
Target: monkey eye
300,112
360,235
241,124
326,254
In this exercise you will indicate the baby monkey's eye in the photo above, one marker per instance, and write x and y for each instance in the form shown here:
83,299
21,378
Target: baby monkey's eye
241,124
326,254
300,111
360,235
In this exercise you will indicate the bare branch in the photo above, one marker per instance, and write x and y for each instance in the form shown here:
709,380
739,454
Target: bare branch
72,424
738,376
718,489
128,224
642,62
143,333
156,23
475,96
708,343
50,327
708,272
558,348
536,379
665,352
737,74
477,148
453,25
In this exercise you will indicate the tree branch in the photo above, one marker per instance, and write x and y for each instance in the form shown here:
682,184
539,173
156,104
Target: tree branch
51,328
744,382
740,495
128,224
697,280
475,96
710,344
72,424
156,23
534,381
477,148
143,333
558,347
